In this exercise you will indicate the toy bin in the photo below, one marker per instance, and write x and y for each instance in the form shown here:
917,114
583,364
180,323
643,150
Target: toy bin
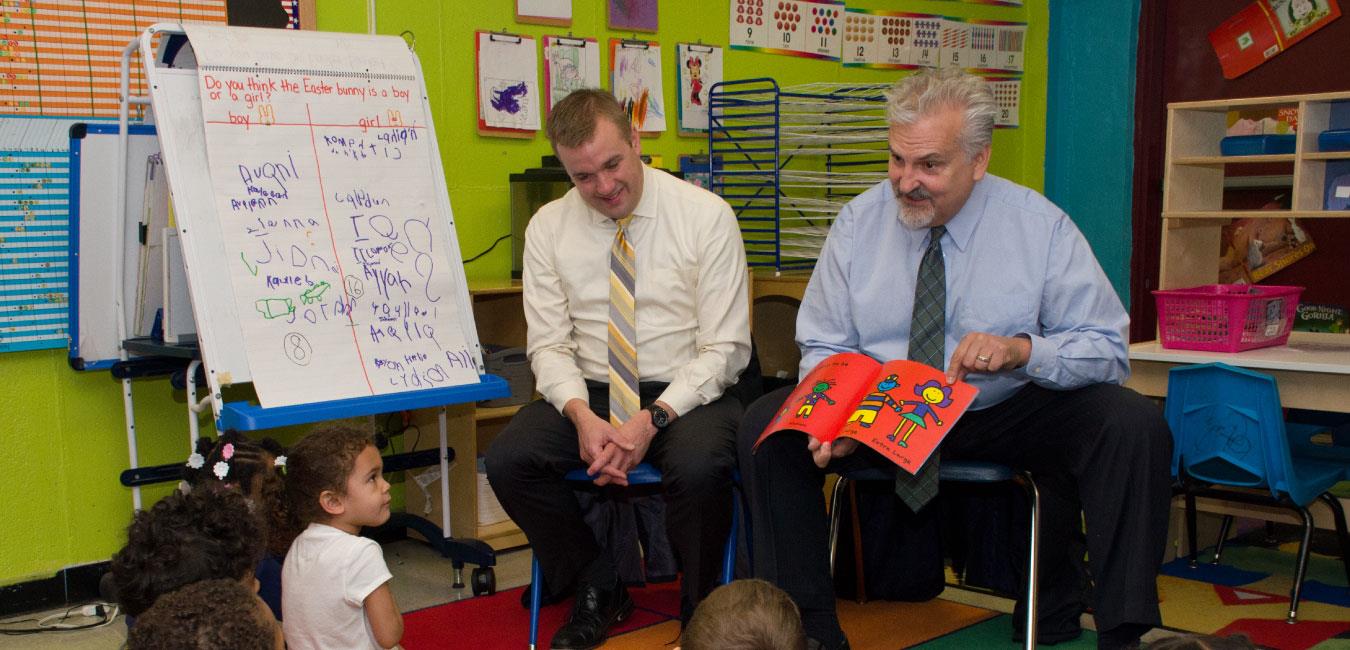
1226,317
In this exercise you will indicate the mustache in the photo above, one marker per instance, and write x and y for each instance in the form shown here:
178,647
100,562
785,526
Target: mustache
916,194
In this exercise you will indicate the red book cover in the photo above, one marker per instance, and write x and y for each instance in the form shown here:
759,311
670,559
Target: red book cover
902,409
1266,28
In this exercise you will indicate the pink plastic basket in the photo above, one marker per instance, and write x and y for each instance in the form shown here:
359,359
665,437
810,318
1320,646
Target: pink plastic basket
1226,317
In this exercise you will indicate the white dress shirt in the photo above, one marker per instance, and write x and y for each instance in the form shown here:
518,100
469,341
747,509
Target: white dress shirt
692,307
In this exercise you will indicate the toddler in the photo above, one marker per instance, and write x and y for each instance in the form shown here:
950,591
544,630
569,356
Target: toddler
335,585
186,538
207,615
745,615
234,462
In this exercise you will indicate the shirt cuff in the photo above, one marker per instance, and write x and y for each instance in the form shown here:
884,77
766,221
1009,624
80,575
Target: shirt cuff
681,398
1042,360
568,391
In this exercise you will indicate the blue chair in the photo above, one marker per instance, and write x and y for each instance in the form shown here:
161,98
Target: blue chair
956,471
643,474
1229,432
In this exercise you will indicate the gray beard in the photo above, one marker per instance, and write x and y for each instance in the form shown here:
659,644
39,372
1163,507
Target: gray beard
917,218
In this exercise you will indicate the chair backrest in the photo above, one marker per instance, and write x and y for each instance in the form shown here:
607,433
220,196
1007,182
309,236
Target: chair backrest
1227,427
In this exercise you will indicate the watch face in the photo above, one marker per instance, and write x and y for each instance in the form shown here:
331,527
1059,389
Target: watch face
659,416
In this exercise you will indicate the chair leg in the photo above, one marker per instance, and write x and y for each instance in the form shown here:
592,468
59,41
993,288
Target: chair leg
1338,513
1033,557
729,555
835,498
1302,567
1223,537
859,582
536,597
1191,528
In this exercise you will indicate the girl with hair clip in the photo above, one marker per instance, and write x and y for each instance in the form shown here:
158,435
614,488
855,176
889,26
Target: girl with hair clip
254,469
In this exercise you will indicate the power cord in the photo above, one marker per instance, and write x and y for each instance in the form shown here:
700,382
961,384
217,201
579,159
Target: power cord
489,248
105,613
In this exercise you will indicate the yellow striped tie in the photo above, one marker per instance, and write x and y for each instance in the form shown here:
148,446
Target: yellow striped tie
623,365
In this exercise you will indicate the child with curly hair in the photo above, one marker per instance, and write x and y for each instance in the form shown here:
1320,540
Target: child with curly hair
207,615
335,584
186,538
236,463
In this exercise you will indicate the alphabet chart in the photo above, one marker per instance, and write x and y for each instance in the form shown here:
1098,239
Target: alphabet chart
339,252
808,28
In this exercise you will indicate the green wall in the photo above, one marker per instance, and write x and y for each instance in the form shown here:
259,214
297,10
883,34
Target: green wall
62,438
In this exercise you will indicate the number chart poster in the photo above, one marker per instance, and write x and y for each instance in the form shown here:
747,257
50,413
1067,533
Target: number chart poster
808,28
320,155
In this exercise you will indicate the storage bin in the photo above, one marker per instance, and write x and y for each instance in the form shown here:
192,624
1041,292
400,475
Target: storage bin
1226,317
1253,145
1334,140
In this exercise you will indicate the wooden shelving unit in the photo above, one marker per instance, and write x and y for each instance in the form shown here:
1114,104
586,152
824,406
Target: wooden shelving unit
500,317
1313,370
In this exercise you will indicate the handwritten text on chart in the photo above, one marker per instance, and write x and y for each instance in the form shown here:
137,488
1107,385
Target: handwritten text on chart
324,245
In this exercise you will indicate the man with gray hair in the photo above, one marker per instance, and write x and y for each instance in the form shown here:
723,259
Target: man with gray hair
957,268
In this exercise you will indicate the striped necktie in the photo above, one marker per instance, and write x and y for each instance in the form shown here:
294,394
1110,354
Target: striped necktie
623,363
927,330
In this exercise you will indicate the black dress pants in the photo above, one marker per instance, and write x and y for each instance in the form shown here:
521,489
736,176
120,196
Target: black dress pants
696,455
1102,453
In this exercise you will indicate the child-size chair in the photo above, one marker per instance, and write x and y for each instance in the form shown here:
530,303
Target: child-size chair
955,471
643,474
1229,432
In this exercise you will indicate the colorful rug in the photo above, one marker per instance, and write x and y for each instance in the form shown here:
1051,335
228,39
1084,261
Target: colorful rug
1249,593
498,621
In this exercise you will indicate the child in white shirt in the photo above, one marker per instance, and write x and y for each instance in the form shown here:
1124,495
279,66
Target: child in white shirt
335,585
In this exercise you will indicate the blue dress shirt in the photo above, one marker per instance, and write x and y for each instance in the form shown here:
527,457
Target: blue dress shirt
1015,264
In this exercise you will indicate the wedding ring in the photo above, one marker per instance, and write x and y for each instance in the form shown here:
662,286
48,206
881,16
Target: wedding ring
983,358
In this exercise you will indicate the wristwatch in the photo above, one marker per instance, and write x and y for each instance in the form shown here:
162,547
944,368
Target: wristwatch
660,418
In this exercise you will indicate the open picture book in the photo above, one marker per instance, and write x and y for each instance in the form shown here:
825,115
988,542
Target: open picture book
902,409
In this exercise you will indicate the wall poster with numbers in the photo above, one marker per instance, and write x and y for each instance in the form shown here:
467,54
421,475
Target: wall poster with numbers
808,28
890,39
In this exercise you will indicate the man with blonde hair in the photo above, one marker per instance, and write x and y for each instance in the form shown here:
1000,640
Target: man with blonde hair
637,320
954,267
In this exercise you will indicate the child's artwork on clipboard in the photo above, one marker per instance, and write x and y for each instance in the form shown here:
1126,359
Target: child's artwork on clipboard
635,79
569,64
508,85
698,67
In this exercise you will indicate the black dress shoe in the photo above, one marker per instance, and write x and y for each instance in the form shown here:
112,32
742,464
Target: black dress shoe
593,613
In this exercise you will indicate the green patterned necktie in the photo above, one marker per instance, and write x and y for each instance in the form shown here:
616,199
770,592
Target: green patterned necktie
926,331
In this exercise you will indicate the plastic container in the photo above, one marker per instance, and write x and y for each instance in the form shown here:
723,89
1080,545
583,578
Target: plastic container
1334,140
1226,317
1255,145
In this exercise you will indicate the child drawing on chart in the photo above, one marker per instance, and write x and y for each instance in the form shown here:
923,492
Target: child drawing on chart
931,393
817,394
866,412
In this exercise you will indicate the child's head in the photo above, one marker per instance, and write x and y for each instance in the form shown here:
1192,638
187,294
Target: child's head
234,462
207,615
334,476
186,538
745,615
